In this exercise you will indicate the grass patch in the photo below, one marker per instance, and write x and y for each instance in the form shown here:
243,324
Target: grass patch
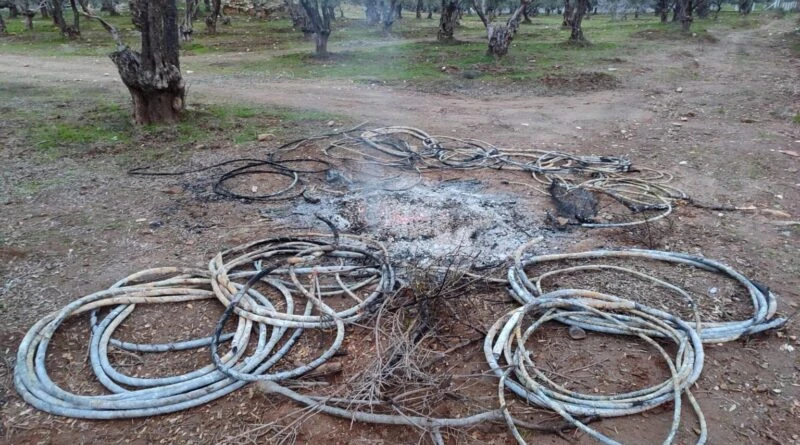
78,123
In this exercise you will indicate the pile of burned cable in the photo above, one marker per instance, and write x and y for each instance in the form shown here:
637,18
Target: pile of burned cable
277,290
579,185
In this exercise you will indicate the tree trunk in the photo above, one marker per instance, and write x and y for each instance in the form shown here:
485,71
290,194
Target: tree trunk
211,19
44,12
372,11
662,9
420,6
500,37
685,14
136,13
28,19
300,19
153,77
109,7
745,7
448,20
189,13
388,16
702,8
2,26
58,18
430,11
525,18
320,13
499,40
576,20
76,18
568,9
321,40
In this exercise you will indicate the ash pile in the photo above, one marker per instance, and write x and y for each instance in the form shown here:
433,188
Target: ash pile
430,220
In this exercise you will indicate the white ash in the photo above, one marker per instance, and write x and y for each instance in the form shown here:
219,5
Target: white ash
433,221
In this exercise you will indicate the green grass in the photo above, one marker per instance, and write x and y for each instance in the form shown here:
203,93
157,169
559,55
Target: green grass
410,54
76,122
796,118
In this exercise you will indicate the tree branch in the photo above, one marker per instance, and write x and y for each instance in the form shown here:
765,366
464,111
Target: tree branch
108,27
481,13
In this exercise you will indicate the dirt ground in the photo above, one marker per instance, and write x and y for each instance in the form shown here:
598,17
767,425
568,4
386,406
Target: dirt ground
716,115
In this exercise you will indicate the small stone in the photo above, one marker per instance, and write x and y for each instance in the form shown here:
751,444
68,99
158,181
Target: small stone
677,124
576,333
331,123
264,136
679,90
682,163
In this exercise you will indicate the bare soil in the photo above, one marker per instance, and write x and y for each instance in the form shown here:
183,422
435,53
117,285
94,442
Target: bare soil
716,115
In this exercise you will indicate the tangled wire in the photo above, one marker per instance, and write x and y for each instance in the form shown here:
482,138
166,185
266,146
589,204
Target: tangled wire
281,287
265,303
582,180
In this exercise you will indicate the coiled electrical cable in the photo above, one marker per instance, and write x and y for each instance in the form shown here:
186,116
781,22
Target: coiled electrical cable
764,302
364,282
508,338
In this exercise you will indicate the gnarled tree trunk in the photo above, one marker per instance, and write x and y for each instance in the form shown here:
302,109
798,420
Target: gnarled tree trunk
57,12
320,13
2,26
153,77
136,13
76,17
500,36
29,15
576,21
568,9
211,19
419,8
745,6
299,18
685,14
187,25
448,20
662,9
388,15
